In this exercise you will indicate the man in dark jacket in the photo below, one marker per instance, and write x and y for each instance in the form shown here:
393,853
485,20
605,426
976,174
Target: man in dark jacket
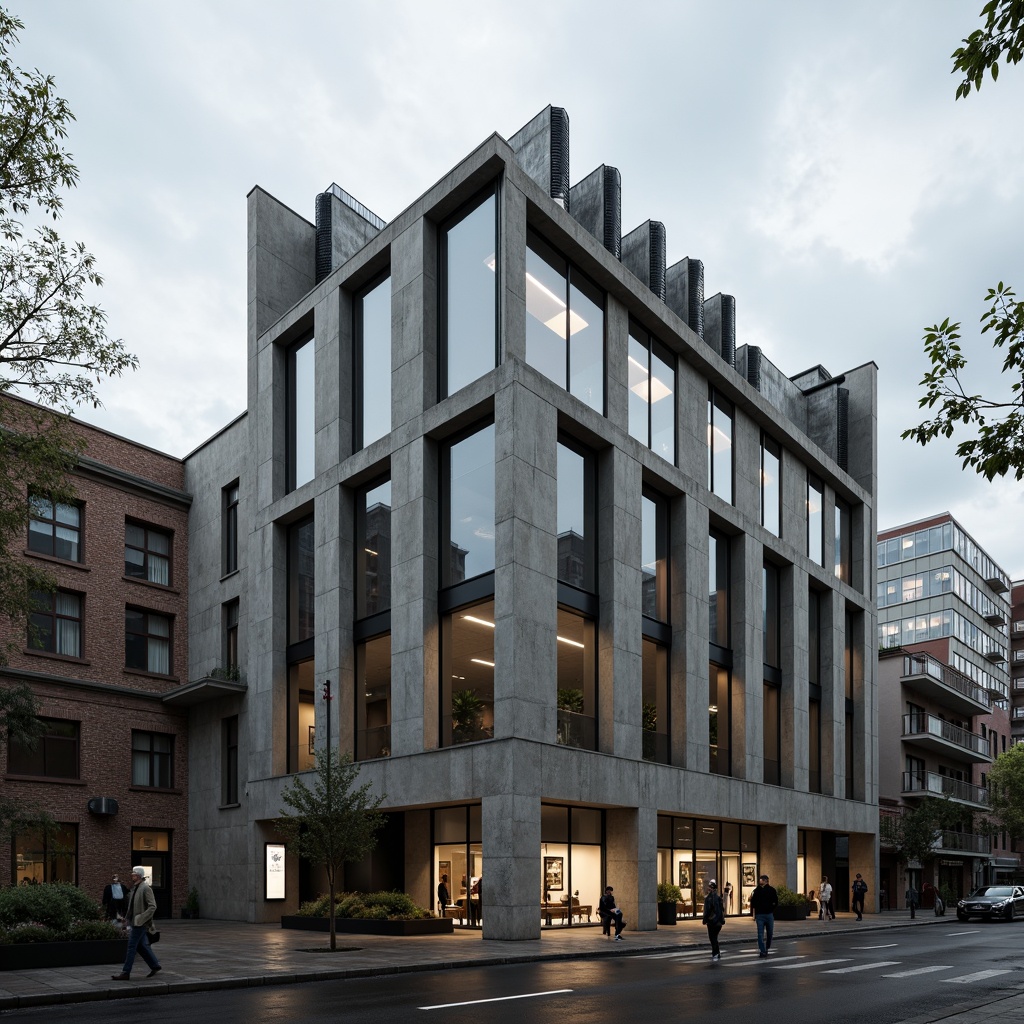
610,914
763,901
860,890
714,917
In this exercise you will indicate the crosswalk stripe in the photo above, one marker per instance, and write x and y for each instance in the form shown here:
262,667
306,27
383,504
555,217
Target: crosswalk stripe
953,935
968,978
863,967
811,963
918,970
775,959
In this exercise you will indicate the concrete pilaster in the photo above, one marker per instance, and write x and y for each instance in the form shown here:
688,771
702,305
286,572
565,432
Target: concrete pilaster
778,854
690,632
413,322
833,702
511,842
796,698
747,658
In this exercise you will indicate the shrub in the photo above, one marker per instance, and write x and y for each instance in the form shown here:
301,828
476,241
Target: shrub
788,898
366,906
31,932
54,905
81,931
669,893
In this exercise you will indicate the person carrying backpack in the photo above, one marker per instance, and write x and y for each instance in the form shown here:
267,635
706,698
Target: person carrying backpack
714,917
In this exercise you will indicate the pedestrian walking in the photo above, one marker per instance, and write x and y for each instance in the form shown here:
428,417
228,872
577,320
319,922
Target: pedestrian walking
860,890
115,899
138,921
443,895
610,914
825,911
714,917
911,895
763,901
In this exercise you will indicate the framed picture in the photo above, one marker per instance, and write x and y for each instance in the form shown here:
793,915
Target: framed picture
750,874
684,875
553,874
312,739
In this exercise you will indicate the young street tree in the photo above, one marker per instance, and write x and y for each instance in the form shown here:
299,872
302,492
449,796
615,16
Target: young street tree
332,823
997,422
19,723
912,835
1006,792
54,347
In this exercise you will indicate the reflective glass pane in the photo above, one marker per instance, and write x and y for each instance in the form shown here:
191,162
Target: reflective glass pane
639,382
663,408
771,467
302,420
373,552
472,506
586,343
815,521
575,559
468,674
373,699
375,348
547,314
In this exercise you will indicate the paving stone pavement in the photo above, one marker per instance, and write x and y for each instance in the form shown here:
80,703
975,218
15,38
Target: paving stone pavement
202,955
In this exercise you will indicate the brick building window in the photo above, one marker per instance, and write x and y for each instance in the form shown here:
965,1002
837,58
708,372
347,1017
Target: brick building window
55,529
147,554
147,641
55,625
50,856
152,759
54,756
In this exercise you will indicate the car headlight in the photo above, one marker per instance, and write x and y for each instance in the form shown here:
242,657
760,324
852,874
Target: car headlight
1000,904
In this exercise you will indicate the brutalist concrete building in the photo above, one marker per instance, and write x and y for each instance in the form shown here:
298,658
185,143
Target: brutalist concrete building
592,587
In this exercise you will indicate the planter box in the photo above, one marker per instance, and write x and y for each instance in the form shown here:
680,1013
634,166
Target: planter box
791,913
667,913
29,956
353,926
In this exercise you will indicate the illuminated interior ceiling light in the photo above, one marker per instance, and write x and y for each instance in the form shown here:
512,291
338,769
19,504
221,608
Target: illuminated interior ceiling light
713,707
651,389
482,661
571,643
479,622
370,551
454,676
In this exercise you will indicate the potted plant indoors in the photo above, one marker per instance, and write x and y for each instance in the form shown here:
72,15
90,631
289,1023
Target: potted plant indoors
191,908
467,712
668,896
793,906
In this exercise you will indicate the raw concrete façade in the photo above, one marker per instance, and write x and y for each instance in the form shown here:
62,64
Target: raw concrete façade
719,729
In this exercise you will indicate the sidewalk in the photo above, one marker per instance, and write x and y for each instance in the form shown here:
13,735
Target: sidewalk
203,955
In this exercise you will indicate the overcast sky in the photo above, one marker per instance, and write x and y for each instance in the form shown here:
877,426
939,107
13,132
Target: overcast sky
810,153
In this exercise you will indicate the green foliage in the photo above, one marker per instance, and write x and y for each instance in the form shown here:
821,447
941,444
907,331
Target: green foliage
380,906
20,933
912,834
649,716
789,898
467,715
669,893
192,901
54,905
1006,791
570,698
1003,33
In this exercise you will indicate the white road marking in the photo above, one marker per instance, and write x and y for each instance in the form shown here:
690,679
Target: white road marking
885,945
775,960
918,970
498,999
811,963
863,967
968,978
950,935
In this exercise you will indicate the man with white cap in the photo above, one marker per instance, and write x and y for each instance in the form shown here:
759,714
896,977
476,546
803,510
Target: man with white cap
141,908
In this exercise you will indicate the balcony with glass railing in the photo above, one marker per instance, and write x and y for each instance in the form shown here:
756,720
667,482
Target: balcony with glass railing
944,685
942,737
933,784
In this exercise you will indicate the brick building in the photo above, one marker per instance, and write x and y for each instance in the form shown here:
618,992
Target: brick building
110,650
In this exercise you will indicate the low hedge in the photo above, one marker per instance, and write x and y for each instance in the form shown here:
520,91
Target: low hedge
51,912
366,906
788,898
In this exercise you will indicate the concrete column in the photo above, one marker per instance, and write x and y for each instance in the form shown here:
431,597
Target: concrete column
413,322
833,704
511,844
778,855
747,737
864,858
512,243
689,681
795,697
692,423
616,322
631,855
418,868
526,565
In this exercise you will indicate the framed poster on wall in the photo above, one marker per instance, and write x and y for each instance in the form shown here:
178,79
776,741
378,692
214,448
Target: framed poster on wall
553,874
273,871
750,874
684,875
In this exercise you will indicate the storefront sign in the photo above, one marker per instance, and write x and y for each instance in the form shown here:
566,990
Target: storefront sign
274,871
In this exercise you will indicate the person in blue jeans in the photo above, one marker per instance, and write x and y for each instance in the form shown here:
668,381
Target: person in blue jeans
763,901
141,908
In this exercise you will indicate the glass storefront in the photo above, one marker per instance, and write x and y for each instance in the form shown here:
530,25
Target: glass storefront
571,865
459,854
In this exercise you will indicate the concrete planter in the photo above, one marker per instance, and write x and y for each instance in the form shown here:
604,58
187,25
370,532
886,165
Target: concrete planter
791,913
353,926
30,956
667,913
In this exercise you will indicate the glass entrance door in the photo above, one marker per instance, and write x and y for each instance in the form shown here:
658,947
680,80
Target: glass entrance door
151,849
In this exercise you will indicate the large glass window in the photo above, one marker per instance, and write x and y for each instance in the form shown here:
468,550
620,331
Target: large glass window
49,855
152,759
469,296
470,494
147,554
467,674
571,879
301,717
564,324
652,386
147,641
718,589
373,549
373,362
771,485
373,698
55,754
719,720
654,709
577,680
843,541
772,735
459,861
301,414
654,547
815,520
229,503
55,625
301,582
770,625
576,520
55,529
720,428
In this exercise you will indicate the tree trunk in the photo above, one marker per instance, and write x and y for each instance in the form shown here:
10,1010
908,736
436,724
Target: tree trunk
330,887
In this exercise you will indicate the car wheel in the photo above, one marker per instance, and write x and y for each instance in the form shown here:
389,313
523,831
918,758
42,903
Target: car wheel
960,916
1011,912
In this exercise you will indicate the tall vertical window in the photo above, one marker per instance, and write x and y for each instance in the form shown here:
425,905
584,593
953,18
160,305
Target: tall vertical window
577,680
815,520
230,620
301,414
373,549
652,387
470,514
850,670
718,589
46,856
147,554
814,745
467,673
469,296
301,716
577,547
719,719
373,698
654,547
720,429
147,641
843,541
655,705
770,625
229,502
229,760
373,362
772,735
814,639
564,324
771,485
55,624
55,529
54,756
152,759
301,582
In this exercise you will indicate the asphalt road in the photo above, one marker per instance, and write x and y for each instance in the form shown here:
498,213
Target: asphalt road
876,978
